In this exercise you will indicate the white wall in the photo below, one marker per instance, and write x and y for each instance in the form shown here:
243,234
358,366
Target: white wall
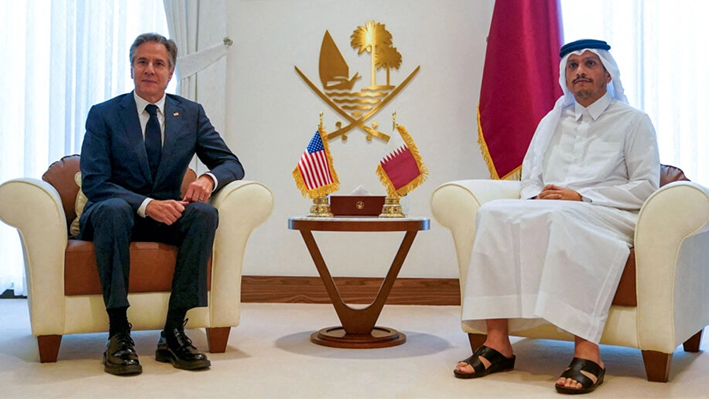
272,114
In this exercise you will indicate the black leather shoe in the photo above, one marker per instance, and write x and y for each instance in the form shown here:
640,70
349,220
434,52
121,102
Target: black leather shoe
120,357
177,348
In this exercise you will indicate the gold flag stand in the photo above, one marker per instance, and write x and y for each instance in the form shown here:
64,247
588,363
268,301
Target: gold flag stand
392,206
320,208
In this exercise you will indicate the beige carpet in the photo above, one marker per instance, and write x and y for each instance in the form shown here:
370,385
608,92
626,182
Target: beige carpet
270,356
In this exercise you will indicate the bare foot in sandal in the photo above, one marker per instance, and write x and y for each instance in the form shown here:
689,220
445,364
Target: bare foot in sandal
484,361
585,372
493,356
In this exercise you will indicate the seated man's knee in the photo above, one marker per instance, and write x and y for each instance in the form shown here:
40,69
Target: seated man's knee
491,209
203,214
114,208
112,215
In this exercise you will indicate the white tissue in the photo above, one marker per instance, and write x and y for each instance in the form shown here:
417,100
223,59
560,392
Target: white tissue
360,191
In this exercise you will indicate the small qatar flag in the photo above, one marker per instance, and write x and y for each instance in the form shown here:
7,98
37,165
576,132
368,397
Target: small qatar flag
401,170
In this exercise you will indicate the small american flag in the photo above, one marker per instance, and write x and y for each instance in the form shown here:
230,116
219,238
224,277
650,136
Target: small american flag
315,175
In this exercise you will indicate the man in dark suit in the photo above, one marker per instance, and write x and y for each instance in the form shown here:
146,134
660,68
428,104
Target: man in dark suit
136,150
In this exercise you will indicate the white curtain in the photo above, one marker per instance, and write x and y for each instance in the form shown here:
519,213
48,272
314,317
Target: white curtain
59,57
199,28
659,48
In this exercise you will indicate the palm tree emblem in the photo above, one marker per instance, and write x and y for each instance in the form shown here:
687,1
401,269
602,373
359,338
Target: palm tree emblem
369,38
387,57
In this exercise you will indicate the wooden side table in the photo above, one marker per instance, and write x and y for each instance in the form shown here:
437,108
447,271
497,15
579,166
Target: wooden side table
358,328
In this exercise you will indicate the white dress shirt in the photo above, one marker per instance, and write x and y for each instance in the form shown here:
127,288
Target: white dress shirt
144,116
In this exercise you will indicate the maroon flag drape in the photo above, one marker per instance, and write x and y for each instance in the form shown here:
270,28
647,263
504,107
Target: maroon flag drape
520,80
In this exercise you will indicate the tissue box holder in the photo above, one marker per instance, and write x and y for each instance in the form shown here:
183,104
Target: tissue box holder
356,205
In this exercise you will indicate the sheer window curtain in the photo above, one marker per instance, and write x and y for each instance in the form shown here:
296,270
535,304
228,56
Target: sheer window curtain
199,28
662,67
59,57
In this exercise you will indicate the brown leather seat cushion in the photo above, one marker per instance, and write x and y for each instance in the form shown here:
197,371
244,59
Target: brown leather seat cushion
152,263
151,268
625,295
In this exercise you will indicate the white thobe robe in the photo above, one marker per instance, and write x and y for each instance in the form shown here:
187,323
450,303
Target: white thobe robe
561,261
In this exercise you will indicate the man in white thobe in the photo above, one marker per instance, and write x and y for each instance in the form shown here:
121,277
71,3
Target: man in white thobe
557,254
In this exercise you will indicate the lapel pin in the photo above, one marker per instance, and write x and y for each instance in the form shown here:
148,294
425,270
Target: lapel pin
175,114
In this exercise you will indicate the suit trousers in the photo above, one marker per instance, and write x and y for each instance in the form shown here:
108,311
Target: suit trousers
113,225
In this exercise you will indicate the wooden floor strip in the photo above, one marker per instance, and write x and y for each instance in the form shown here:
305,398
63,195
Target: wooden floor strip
354,290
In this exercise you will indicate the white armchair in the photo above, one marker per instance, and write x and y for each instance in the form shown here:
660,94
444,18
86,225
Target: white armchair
63,289
663,298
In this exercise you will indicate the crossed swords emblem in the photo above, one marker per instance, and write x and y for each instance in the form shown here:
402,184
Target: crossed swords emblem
337,85
360,122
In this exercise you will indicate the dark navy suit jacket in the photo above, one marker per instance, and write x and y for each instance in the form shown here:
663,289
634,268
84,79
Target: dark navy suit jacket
114,163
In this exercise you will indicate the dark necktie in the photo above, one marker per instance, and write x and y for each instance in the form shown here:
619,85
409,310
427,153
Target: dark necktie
153,141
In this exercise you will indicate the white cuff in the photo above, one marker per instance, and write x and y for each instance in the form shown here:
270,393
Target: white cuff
214,178
143,206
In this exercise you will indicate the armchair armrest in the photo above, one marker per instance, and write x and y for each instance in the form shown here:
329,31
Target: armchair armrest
672,255
242,205
455,205
34,208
